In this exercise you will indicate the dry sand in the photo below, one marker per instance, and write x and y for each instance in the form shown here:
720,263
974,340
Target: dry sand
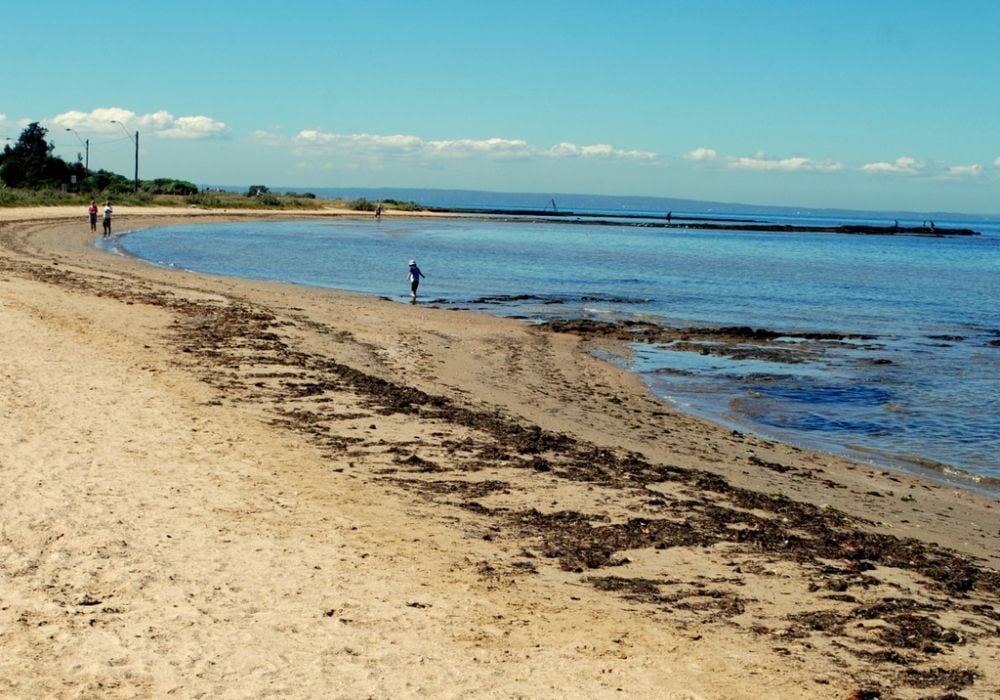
227,489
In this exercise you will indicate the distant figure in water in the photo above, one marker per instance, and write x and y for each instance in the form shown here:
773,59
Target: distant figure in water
378,212
414,276
669,216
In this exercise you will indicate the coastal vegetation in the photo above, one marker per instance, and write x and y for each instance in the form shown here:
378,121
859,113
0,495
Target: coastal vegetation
363,204
204,198
30,175
150,195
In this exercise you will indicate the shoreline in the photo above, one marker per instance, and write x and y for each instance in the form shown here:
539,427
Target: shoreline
527,507
729,341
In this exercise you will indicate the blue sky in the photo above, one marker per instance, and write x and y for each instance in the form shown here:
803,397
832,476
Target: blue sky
875,104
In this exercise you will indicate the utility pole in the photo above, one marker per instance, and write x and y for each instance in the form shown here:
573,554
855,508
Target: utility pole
136,160
86,147
136,142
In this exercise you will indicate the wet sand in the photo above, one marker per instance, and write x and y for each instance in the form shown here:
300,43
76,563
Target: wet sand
231,488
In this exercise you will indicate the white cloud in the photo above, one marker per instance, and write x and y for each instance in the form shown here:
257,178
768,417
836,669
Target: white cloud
904,165
760,163
963,171
199,127
469,148
597,150
314,137
996,161
701,154
312,141
162,124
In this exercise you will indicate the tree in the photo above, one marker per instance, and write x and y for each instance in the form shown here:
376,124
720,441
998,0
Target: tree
166,185
30,162
102,180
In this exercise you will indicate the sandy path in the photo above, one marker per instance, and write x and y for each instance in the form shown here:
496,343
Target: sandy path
219,488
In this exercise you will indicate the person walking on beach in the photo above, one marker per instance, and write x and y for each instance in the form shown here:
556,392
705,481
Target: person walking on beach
414,277
107,219
92,213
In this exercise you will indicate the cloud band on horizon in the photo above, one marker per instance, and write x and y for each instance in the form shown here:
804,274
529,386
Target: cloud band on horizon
315,142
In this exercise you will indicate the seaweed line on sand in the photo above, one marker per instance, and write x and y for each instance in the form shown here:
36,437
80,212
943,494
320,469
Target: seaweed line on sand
836,552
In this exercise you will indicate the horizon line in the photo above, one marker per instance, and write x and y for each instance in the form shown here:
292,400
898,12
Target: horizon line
734,206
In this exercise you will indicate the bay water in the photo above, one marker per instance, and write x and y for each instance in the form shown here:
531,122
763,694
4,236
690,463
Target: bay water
921,388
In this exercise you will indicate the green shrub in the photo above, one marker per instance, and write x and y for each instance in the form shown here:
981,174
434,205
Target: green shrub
170,186
404,206
119,188
361,204
204,199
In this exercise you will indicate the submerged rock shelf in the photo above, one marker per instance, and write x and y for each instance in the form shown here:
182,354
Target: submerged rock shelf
706,223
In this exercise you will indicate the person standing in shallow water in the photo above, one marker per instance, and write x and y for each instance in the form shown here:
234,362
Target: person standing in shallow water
92,213
414,277
107,219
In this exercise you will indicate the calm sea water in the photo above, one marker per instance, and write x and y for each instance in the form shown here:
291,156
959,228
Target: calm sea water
926,387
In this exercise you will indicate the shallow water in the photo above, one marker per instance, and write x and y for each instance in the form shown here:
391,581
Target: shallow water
925,385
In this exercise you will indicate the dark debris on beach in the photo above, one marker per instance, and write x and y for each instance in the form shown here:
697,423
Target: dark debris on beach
900,641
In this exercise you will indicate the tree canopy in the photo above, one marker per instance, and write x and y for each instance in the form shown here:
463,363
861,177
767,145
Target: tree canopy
30,163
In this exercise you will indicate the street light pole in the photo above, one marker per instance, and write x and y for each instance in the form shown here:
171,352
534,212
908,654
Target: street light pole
86,148
136,160
136,142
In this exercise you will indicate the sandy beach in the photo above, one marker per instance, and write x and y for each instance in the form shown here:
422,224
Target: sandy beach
231,489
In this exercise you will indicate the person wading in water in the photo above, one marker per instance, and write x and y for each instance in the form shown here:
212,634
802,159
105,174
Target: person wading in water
414,277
